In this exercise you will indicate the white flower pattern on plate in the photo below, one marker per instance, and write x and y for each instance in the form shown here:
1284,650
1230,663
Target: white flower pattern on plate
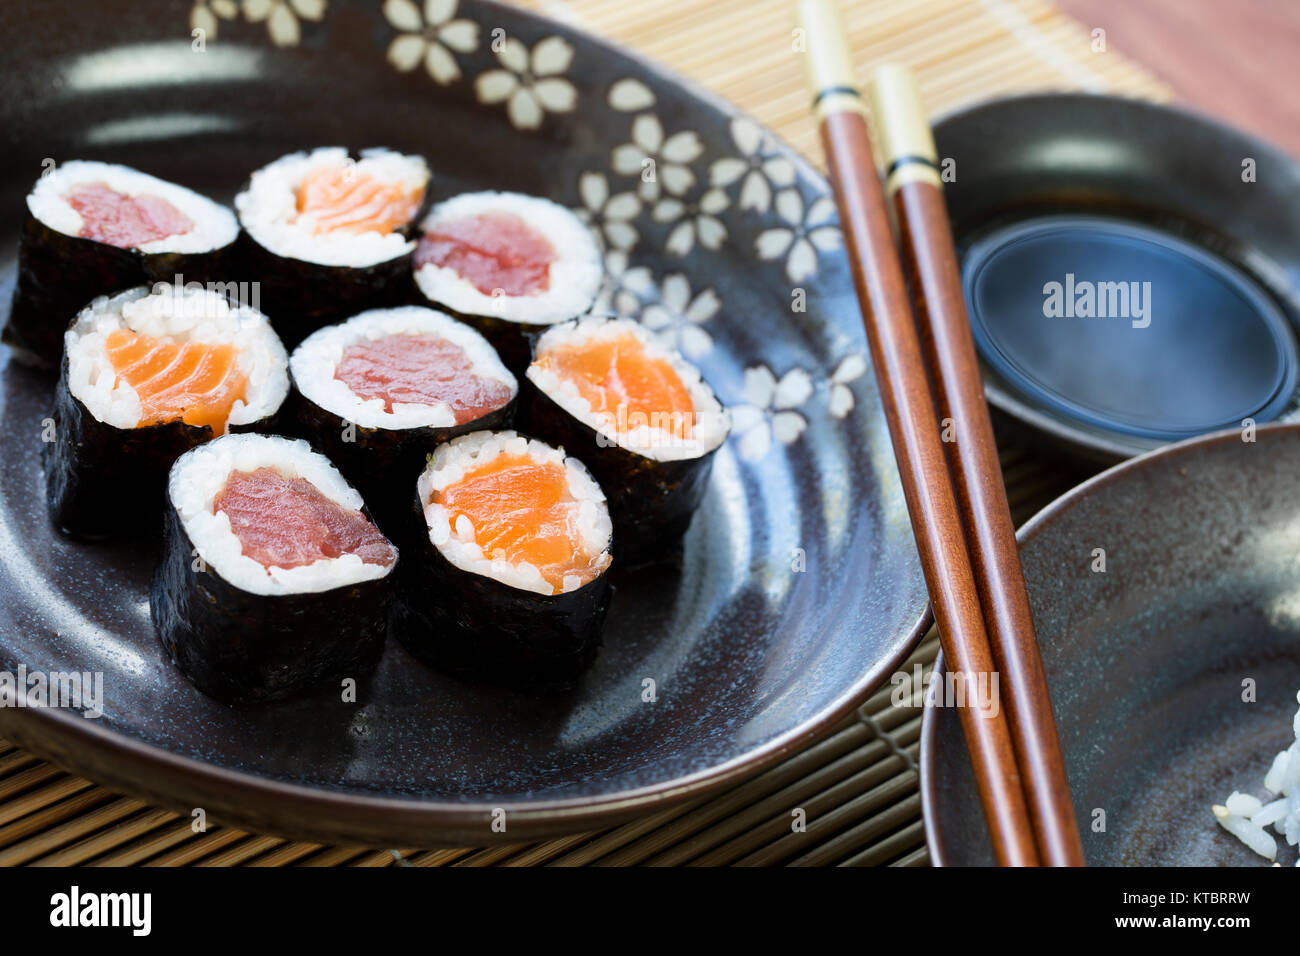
432,37
769,410
204,14
759,169
665,160
677,318
625,287
611,218
806,234
695,220
629,95
281,17
531,85
850,369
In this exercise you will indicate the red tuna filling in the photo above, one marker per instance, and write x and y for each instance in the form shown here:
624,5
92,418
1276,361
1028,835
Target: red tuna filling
493,250
421,370
125,221
287,523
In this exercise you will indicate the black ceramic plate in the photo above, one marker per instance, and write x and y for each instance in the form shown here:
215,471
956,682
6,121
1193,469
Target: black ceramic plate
1147,660
797,587
1147,176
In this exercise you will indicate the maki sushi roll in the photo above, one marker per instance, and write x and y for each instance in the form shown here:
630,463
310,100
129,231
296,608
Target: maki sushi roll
327,235
510,584
638,413
273,578
147,375
379,391
96,228
508,264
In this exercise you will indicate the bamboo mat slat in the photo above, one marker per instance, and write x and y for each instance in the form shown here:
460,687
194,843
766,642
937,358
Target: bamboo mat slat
857,786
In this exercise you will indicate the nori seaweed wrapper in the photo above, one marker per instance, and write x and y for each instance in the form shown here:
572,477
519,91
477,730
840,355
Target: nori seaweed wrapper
651,502
383,464
58,275
237,646
478,628
217,267
300,297
103,481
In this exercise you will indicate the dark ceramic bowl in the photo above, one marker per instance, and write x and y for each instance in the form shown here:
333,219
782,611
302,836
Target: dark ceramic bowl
1094,388
1147,660
796,589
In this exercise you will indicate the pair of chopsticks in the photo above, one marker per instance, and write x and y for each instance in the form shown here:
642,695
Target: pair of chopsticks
954,491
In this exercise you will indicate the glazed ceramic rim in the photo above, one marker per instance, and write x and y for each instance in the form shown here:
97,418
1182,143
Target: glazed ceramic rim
1031,529
1089,441
1018,376
338,816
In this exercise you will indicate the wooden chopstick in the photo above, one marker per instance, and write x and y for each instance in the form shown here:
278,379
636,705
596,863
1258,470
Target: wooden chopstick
913,424
908,154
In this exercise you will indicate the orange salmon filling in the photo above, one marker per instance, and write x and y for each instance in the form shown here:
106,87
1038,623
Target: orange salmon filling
193,382
523,511
287,522
619,380
493,250
344,200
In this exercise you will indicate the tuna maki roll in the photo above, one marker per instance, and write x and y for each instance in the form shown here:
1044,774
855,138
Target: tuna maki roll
96,228
510,583
328,235
147,376
508,264
638,414
273,579
379,391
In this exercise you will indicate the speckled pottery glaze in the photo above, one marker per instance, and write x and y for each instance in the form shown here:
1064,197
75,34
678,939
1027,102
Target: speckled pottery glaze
1146,660
794,592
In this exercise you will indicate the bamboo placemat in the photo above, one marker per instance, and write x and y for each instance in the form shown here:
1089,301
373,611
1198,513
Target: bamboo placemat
858,785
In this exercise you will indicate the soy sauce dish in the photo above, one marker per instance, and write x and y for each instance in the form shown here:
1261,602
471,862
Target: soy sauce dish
1167,601
1132,271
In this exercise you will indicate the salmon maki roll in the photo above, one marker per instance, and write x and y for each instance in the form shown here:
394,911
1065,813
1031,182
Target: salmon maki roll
273,580
97,228
328,235
509,582
148,375
638,414
509,264
379,391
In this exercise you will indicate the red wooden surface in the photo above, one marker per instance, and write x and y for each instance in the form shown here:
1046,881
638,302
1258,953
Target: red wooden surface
1236,59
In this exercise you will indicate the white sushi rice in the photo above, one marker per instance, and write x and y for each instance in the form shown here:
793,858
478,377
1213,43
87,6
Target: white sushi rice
710,424
187,314
455,459
214,226
1247,817
198,477
314,363
268,208
574,277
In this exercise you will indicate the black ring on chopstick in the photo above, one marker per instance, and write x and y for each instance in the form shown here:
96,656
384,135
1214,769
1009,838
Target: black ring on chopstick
909,160
832,90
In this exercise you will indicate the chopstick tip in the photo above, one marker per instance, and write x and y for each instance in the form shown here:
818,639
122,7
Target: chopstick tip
828,58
